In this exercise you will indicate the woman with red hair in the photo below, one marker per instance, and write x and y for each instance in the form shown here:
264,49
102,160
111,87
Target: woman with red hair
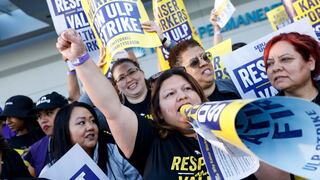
292,65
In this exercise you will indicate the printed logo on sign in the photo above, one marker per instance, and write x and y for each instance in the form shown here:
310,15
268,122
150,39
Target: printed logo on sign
252,76
260,47
84,173
209,114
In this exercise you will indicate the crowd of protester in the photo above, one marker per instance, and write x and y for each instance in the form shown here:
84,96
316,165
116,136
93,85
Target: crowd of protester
131,126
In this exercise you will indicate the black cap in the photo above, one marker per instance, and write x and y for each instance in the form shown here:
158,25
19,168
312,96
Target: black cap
51,101
18,106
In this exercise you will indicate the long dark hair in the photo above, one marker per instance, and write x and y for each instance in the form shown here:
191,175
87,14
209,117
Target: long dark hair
33,127
61,139
164,128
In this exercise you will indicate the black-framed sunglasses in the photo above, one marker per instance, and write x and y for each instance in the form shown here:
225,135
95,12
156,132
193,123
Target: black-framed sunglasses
195,62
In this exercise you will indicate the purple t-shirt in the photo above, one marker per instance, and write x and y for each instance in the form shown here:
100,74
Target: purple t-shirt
7,133
38,154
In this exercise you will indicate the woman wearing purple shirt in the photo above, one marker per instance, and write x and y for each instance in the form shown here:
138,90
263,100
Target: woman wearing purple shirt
47,107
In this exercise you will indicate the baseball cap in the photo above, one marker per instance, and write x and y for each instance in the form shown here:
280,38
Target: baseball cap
18,106
51,101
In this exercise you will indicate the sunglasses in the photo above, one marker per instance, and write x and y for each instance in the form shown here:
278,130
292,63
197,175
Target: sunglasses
195,62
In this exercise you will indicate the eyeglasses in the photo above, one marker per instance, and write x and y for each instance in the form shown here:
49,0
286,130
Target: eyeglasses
131,72
195,62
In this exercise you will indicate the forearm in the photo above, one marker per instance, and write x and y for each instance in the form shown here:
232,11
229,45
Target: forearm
122,121
99,89
217,37
73,87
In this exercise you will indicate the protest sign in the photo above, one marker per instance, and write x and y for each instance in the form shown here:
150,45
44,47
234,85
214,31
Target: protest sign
246,67
117,25
67,14
222,165
310,9
298,9
173,19
66,168
217,52
278,17
281,131
224,10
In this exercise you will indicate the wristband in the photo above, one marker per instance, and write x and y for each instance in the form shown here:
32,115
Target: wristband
70,66
80,60
217,32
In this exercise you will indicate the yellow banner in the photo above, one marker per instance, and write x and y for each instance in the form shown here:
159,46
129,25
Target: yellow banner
117,25
278,17
310,9
217,52
307,8
174,21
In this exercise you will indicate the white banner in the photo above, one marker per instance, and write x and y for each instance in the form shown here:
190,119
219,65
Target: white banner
67,14
76,164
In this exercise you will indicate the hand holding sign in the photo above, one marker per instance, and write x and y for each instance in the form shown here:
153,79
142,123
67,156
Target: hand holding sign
214,19
151,26
224,11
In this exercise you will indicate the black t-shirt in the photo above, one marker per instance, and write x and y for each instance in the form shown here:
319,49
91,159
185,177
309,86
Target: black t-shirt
141,109
24,141
315,100
221,96
173,157
13,166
